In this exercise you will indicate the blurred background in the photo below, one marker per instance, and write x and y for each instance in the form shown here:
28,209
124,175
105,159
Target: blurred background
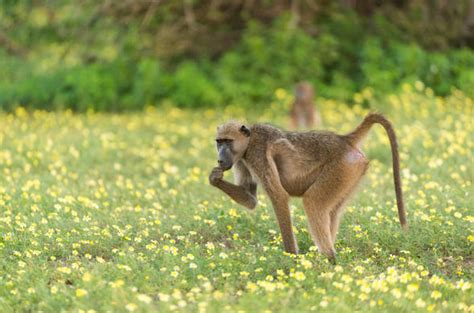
125,55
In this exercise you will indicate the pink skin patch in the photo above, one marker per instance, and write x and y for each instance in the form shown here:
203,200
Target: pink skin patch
355,156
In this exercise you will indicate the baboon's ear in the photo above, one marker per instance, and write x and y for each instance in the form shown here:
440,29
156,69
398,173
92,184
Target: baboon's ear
244,130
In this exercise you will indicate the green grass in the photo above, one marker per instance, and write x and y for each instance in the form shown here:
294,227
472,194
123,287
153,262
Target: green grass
114,213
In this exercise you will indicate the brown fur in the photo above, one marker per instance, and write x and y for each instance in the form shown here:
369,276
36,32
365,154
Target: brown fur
303,113
321,167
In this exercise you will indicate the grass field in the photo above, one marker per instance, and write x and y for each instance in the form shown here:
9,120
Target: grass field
104,212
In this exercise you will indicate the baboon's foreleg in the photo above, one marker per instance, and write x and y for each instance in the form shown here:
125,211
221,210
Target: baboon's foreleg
239,194
283,215
244,195
280,198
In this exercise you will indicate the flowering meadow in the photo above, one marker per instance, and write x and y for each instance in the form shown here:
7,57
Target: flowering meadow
113,212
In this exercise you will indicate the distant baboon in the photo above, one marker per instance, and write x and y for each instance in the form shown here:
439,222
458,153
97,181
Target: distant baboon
303,113
321,167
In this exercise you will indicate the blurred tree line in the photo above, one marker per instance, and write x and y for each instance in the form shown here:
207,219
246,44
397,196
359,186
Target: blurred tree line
119,55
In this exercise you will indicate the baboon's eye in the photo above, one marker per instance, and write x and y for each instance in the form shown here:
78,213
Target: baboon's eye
226,141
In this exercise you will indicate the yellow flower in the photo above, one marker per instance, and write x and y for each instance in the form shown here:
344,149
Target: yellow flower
64,269
81,293
131,307
86,277
357,228
396,293
420,303
412,287
164,297
363,297
419,85
233,212
218,295
252,287
306,264
463,285
347,279
300,276
144,298
117,284
210,246
280,93
436,294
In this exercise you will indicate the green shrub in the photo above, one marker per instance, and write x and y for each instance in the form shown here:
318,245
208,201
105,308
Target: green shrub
439,75
190,87
150,84
378,69
462,68
270,58
36,91
90,88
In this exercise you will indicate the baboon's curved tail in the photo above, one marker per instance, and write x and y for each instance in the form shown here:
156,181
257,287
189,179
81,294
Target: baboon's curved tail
360,132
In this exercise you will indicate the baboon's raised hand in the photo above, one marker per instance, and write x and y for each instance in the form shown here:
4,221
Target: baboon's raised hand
216,176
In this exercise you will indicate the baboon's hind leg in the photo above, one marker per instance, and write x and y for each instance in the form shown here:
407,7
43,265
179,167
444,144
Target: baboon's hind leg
325,199
336,214
338,210
319,222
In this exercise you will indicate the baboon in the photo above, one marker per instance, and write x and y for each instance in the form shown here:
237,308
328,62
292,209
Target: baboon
303,113
322,167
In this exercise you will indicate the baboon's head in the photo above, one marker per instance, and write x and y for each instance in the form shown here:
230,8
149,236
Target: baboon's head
232,140
304,91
